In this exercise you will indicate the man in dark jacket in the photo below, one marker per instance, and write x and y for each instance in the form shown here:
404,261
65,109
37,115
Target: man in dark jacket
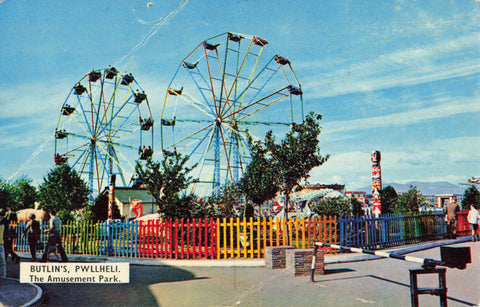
451,211
32,229
9,235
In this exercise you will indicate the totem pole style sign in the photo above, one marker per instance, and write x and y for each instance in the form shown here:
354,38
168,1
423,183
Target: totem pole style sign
376,183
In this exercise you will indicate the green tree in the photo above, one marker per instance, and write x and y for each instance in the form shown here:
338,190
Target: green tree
471,197
389,198
292,160
7,198
410,201
167,182
259,182
333,207
25,194
98,211
228,199
201,209
356,205
63,190
18,195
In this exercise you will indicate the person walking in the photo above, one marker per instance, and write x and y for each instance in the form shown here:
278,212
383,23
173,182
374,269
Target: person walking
452,209
32,230
3,262
9,235
473,217
54,238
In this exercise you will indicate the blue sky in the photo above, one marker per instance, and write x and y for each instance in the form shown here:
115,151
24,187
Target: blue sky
401,77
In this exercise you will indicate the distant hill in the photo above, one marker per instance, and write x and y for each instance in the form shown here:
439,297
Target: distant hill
426,188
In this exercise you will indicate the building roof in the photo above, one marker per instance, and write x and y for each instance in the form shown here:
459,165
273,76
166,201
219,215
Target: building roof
125,195
320,186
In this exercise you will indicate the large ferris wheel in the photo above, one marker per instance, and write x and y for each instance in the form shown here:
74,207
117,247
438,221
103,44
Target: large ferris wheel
105,125
229,87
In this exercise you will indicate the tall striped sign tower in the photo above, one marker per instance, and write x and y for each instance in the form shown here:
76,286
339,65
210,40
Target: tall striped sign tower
376,183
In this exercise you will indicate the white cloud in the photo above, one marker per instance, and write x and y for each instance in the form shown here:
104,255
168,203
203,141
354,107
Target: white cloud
444,109
410,66
439,160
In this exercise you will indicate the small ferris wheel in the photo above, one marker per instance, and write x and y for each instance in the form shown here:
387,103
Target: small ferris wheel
105,125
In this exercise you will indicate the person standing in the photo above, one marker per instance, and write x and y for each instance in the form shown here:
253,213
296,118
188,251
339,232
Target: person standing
32,229
3,262
54,238
9,235
452,210
473,217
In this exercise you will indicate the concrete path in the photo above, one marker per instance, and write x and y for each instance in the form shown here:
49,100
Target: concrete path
349,281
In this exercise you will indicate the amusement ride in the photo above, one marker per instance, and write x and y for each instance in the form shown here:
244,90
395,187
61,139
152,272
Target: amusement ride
105,125
227,89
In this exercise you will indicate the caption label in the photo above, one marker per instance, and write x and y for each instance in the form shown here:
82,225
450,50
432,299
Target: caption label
75,272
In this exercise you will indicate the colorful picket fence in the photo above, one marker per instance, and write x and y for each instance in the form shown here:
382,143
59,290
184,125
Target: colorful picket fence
241,238
390,229
189,239
238,238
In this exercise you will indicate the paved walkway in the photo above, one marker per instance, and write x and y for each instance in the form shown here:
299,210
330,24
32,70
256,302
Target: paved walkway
13,293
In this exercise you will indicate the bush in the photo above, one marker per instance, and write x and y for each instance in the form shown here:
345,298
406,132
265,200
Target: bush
333,207
65,216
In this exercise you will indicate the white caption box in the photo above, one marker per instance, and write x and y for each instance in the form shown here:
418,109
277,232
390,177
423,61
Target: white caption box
75,272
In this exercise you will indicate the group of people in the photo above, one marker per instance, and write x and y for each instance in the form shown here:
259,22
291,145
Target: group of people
33,233
473,219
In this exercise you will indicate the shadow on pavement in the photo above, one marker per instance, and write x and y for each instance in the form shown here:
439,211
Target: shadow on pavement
82,294
408,286
141,277
390,281
336,271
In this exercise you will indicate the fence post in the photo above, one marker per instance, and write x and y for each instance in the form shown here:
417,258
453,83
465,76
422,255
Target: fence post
264,233
221,238
230,231
342,232
188,239
182,227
